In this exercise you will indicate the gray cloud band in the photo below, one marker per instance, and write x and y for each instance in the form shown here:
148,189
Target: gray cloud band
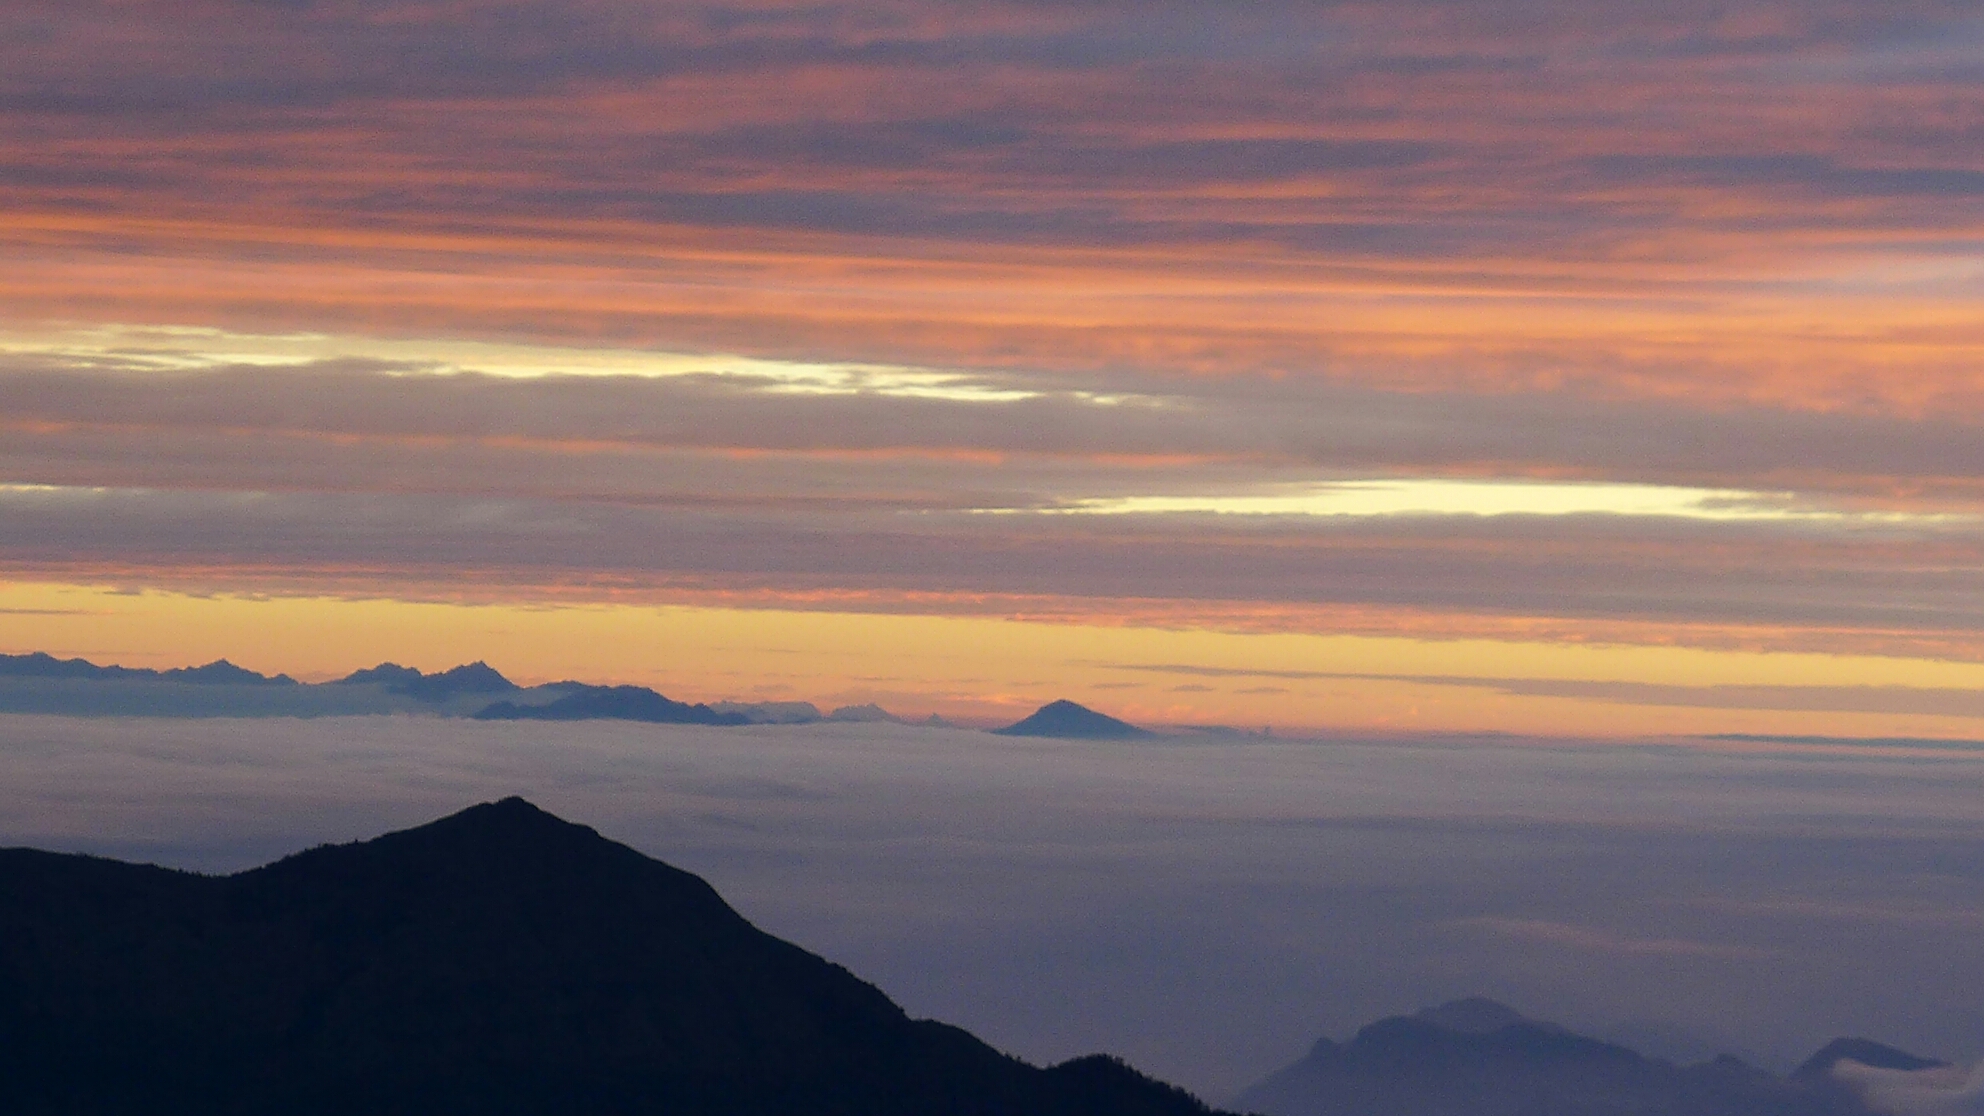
352,466
1558,568
1073,438
1043,124
1922,700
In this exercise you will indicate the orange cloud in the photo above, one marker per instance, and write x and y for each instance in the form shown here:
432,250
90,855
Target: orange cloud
1110,252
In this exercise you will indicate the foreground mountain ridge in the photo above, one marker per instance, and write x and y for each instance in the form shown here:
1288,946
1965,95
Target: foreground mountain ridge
496,961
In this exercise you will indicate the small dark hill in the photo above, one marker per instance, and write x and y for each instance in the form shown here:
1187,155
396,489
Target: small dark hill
614,703
1480,1058
1867,1052
499,961
1067,720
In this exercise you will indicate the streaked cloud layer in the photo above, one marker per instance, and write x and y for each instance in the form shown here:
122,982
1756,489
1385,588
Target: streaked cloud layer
1591,322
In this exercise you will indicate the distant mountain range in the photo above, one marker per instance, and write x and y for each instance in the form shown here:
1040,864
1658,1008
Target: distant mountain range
1476,1057
471,678
41,683
499,961
40,664
617,703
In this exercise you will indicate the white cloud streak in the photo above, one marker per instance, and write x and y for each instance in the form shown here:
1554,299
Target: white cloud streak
1947,1091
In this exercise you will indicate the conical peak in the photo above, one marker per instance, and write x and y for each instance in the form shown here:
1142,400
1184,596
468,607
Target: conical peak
1071,720
514,816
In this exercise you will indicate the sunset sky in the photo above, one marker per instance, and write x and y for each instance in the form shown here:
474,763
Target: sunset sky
1589,368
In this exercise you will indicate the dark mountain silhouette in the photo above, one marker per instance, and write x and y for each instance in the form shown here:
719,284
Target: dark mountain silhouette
771,712
220,672
385,674
40,664
41,683
1865,1051
617,703
1070,721
869,713
499,961
1475,1015
1479,1058
470,678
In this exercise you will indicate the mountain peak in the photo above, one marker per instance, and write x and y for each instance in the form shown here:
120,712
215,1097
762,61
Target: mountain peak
1068,720
863,714
1477,1057
509,844
507,812
1867,1052
497,962
618,703
477,677
509,818
222,672
387,672
1473,1015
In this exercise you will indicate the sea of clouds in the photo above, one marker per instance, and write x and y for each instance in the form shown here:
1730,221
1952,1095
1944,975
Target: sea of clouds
1204,906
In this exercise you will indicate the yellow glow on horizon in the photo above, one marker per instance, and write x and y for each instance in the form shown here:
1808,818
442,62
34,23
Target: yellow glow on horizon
978,669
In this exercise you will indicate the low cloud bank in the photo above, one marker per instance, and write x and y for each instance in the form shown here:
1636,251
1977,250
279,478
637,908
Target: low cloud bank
1206,907
1942,1091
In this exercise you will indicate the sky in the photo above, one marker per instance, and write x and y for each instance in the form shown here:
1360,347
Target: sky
1560,425
1206,908
1595,368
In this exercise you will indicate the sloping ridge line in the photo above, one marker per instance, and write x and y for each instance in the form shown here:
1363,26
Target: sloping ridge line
497,961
